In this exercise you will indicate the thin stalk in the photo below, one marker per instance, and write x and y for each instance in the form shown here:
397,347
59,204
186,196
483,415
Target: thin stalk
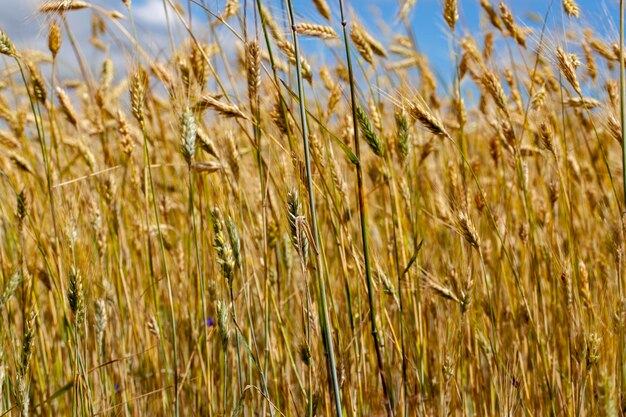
168,280
225,373
268,44
44,152
396,256
239,373
57,240
622,102
149,187
307,295
201,284
622,95
363,216
328,340
254,104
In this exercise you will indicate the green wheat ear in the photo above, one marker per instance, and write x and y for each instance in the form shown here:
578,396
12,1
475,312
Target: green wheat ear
76,297
188,136
369,133
10,287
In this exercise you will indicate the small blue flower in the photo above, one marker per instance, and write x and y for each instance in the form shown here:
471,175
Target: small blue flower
116,387
210,322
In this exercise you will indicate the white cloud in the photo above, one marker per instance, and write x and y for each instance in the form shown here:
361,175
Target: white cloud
151,13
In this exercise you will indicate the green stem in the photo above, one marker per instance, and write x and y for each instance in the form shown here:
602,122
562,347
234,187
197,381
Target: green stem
163,263
363,216
328,341
198,259
622,97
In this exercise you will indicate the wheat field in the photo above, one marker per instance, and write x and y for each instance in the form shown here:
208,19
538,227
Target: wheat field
300,217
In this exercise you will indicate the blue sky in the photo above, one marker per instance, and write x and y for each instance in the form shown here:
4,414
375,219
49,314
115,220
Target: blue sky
22,24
